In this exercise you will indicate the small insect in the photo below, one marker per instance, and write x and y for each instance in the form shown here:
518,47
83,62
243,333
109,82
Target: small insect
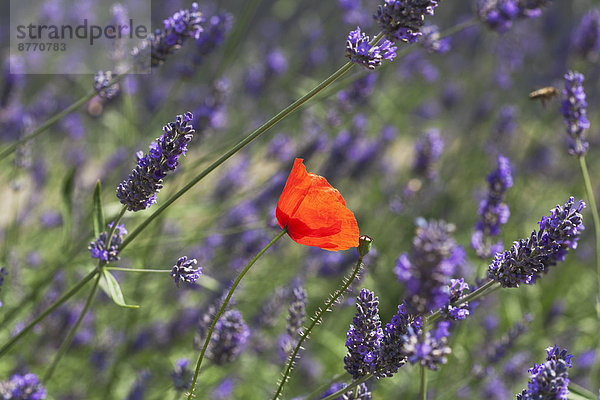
544,94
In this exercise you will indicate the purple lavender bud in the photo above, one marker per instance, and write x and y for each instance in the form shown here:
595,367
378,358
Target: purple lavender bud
297,312
103,87
139,190
429,348
493,212
229,338
426,273
528,258
505,123
359,51
363,339
177,28
281,147
139,387
458,288
182,376
403,19
391,354
101,251
185,271
549,380
358,93
276,62
574,109
3,273
500,348
430,40
586,38
500,14
22,387
428,151
224,389
361,392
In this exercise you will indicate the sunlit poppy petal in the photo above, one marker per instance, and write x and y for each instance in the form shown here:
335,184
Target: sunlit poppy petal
315,213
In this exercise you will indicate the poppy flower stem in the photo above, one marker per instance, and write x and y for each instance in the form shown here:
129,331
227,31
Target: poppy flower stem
331,300
224,306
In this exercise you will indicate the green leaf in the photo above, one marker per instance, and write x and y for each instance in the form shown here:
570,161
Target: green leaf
98,212
114,290
67,189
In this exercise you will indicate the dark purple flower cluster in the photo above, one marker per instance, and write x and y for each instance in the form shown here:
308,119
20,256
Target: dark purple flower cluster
501,347
229,338
430,348
3,273
104,252
361,392
573,110
586,38
392,355
431,41
103,87
426,273
500,14
22,387
181,376
185,271
403,19
493,212
458,288
428,150
297,312
363,339
177,28
139,190
359,51
528,258
549,380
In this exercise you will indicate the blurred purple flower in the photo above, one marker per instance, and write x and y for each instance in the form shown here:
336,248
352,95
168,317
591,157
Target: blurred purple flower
573,109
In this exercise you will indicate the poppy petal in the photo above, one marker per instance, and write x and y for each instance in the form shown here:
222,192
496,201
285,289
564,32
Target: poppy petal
315,213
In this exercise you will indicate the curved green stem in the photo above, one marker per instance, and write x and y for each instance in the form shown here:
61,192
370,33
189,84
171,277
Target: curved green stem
243,143
44,314
315,320
160,271
224,306
594,208
52,120
423,384
67,342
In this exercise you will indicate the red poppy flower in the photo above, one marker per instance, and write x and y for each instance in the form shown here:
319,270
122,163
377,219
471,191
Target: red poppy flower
315,213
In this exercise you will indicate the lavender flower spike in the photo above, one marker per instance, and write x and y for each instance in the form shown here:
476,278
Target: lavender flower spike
549,380
402,19
528,258
185,271
139,190
22,387
105,253
177,28
493,211
359,51
229,338
363,339
574,110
